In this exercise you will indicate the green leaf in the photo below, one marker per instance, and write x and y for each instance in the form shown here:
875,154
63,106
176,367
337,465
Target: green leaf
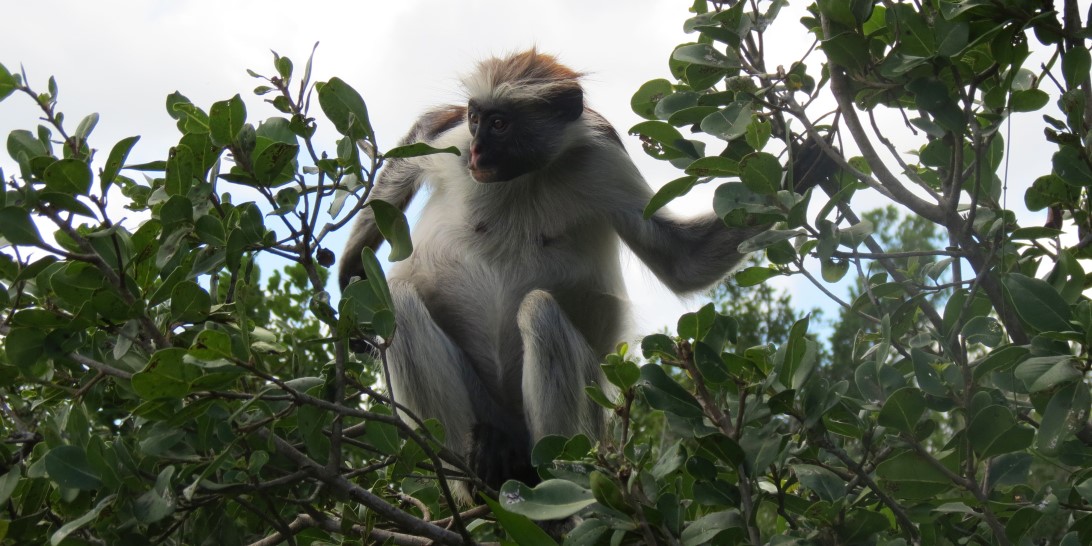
662,141
1021,522
994,431
768,238
346,109
7,83
87,124
118,154
68,176
951,36
551,499
704,529
286,200
519,527
383,323
22,141
623,375
190,302
984,330
272,161
710,365
1042,372
17,228
758,132
596,394
211,230
833,269
704,55
657,344
725,449
1010,469
1000,359
669,191
418,149
928,378
752,276
645,99
226,119
180,171
671,459
68,467
676,102
732,196
8,482
799,357
158,502
715,165
73,525
382,436
761,173
761,448
909,475
376,278
933,96
729,123
847,49
1037,303
663,393
1028,100
548,449
211,345
902,410
825,483
394,227
1065,414
1070,166
166,376
1076,64
914,34
606,491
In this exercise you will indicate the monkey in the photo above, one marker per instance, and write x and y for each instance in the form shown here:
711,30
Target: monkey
514,290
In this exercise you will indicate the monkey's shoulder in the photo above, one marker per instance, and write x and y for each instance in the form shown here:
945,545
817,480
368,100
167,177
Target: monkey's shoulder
437,121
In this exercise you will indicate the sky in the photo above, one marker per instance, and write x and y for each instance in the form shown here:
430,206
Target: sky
122,58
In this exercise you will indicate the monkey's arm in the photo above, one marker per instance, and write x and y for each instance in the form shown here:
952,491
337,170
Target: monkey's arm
397,184
686,255
692,254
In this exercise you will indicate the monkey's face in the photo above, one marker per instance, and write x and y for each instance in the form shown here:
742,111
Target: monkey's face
510,140
502,147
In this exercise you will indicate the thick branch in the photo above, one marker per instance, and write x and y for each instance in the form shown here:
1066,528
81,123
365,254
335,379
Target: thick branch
381,507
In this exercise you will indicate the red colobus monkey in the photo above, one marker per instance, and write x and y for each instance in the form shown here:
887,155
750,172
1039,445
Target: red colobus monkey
514,290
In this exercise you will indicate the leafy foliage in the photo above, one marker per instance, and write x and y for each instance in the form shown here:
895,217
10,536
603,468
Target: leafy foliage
157,387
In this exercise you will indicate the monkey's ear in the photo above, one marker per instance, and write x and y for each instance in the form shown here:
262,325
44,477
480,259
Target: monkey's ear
568,102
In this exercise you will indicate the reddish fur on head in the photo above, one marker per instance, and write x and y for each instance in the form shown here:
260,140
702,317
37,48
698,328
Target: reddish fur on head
528,74
518,112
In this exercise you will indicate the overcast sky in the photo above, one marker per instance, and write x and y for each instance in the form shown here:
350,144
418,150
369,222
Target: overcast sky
122,58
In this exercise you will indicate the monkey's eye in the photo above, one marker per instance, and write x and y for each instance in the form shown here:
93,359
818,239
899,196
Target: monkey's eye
472,117
499,124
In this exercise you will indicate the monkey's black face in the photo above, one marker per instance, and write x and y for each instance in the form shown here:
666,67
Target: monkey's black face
512,140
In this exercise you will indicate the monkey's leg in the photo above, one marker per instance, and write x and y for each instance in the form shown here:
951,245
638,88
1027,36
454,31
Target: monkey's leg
557,364
430,375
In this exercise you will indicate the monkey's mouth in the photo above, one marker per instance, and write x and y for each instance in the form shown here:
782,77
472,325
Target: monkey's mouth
484,176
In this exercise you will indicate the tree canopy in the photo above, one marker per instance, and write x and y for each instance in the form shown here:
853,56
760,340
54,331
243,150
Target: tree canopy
157,386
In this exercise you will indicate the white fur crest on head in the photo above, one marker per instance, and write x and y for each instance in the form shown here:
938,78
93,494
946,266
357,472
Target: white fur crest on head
527,75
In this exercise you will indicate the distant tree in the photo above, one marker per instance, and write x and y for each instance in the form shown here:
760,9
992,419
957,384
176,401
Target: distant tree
909,240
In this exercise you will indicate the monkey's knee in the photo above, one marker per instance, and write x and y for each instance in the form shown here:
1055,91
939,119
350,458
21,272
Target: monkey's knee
537,312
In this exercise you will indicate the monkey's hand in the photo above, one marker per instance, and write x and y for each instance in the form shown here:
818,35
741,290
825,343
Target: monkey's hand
812,166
